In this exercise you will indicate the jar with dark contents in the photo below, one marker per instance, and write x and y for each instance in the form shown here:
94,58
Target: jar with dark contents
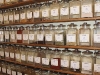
71,35
86,8
1,51
49,35
18,68
60,35
75,61
85,35
11,16
7,51
64,10
87,62
6,15
1,17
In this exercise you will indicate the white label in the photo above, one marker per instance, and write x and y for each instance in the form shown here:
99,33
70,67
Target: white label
29,14
25,36
8,71
4,70
71,38
45,61
31,36
7,0
64,63
64,11
7,36
97,7
13,72
54,12
48,37
59,37
84,37
97,38
1,1
11,55
87,8
19,37
17,56
16,17
6,54
11,17
5,17
86,66
22,57
22,15
75,64
19,73
1,17
54,62
96,67
2,53
13,36
74,10
45,13
37,59
36,14
40,37
30,58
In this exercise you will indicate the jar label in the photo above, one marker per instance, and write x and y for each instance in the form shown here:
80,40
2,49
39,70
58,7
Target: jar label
1,1
22,57
1,37
1,17
11,55
29,14
2,53
54,62
5,17
13,36
16,17
87,8
11,17
7,54
17,56
31,36
13,72
97,7
36,14
0,69
22,15
19,37
7,0
96,67
75,65
84,37
86,66
25,36
96,38
7,36
71,37
19,73
64,11
58,37
40,37
45,61
4,70
45,13
48,37
74,10
54,12
64,63
30,58
8,71
37,59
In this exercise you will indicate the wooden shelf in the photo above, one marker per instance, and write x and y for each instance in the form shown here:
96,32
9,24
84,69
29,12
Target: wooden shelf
69,72
43,45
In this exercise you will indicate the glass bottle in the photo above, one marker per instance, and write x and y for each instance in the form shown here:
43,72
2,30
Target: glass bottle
87,62
8,69
2,2
13,69
49,35
60,35
1,17
1,34
11,16
75,9
86,8
84,35
6,14
3,67
2,52
7,2
75,64
7,51
64,9
71,35
54,10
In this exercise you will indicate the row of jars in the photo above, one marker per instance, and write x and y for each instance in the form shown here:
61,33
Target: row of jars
53,35
6,2
85,62
13,69
52,10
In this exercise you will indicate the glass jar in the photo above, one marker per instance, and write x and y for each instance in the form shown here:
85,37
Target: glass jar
6,14
49,35
7,2
65,59
7,34
75,64
54,10
45,72
37,72
18,68
11,16
71,35
86,8
64,9
60,35
27,71
2,2
84,35
1,17
1,35
13,69
8,69
14,1
3,67
87,62
2,51
7,52
75,8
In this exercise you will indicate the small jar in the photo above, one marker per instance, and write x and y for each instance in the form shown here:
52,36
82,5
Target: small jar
2,35
1,17
11,16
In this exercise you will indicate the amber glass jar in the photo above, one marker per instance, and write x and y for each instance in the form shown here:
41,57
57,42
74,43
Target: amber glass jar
1,17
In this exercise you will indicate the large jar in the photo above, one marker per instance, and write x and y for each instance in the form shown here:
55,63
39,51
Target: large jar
7,51
13,69
87,62
64,9
75,8
60,35
2,52
7,34
6,15
54,10
11,16
75,61
71,35
8,69
49,35
1,35
84,35
86,8
1,17
4,67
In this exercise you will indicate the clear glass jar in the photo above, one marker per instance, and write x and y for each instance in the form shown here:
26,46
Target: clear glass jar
75,8
6,15
8,69
1,17
60,35
7,2
71,35
64,10
1,35
13,69
54,10
3,67
87,62
85,35
2,51
2,2
86,8
7,52
18,68
37,72
45,72
11,16
7,34
49,35
75,63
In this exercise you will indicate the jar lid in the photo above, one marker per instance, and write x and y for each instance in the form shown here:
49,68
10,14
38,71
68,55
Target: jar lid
85,24
98,53
72,25
87,52
76,51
